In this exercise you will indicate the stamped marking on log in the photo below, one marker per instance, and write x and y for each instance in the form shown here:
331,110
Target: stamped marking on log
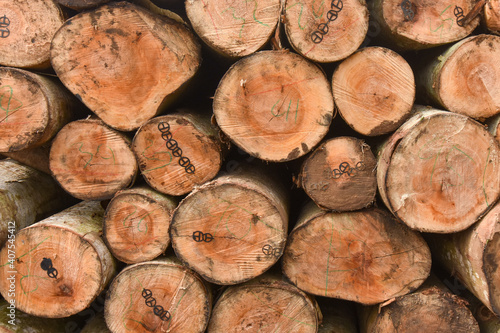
345,168
459,14
4,26
155,156
408,12
8,103
173,146
332,15
46,265
199,236
158,310
269,251
96,155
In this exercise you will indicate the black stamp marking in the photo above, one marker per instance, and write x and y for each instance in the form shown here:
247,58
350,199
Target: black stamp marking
268,250
4,26
408,12
46,265
345,168
199,237
459,14
173,146
158,310
323,28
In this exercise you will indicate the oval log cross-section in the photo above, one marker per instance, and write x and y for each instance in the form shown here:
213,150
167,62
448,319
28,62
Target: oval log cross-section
275,105
340,174
231,229
454,165
60,264
124,62
92,161
363,256
137,224
157,296
327,31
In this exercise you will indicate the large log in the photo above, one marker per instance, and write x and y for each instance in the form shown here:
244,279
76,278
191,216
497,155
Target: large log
26,196
234,29
265,304
233,228
33,109
26,30
178,151
92,161
340,174
465,77
439,171
137,224
326,32
374,90
363,256
59,265
432,308
472,256
414,24
275,105
100,55
158,296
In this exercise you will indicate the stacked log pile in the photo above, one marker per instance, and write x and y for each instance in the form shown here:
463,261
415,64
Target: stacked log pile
250,165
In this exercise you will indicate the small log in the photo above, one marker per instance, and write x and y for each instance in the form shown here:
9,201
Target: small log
439,171
491,16
137,224
96,325
463,79
92,161
326,32
100,56
234,29
233,228
415,25
33,109
26,196
363,256
13,321
81,4
158,296
265,304
471,255
432,308
338,316
58,265
340,174
275,105
178,151
374,90
26,30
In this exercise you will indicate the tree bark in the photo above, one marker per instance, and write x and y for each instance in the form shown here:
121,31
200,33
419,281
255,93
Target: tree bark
472,255
374,90
415,25
36,158
92,161
26,196
363,256
137,224
231,229
340,174
26,30
158,296
60,264
463,79
178,151
326,32
100,56
275,105
439,171
265,304
432,308
81,4
235,30
33,109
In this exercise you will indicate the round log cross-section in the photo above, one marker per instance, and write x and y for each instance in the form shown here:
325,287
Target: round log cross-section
275,105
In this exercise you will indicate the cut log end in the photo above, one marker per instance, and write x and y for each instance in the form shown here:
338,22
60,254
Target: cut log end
374,90
340,175
326,33
236,29
92,161
275,105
